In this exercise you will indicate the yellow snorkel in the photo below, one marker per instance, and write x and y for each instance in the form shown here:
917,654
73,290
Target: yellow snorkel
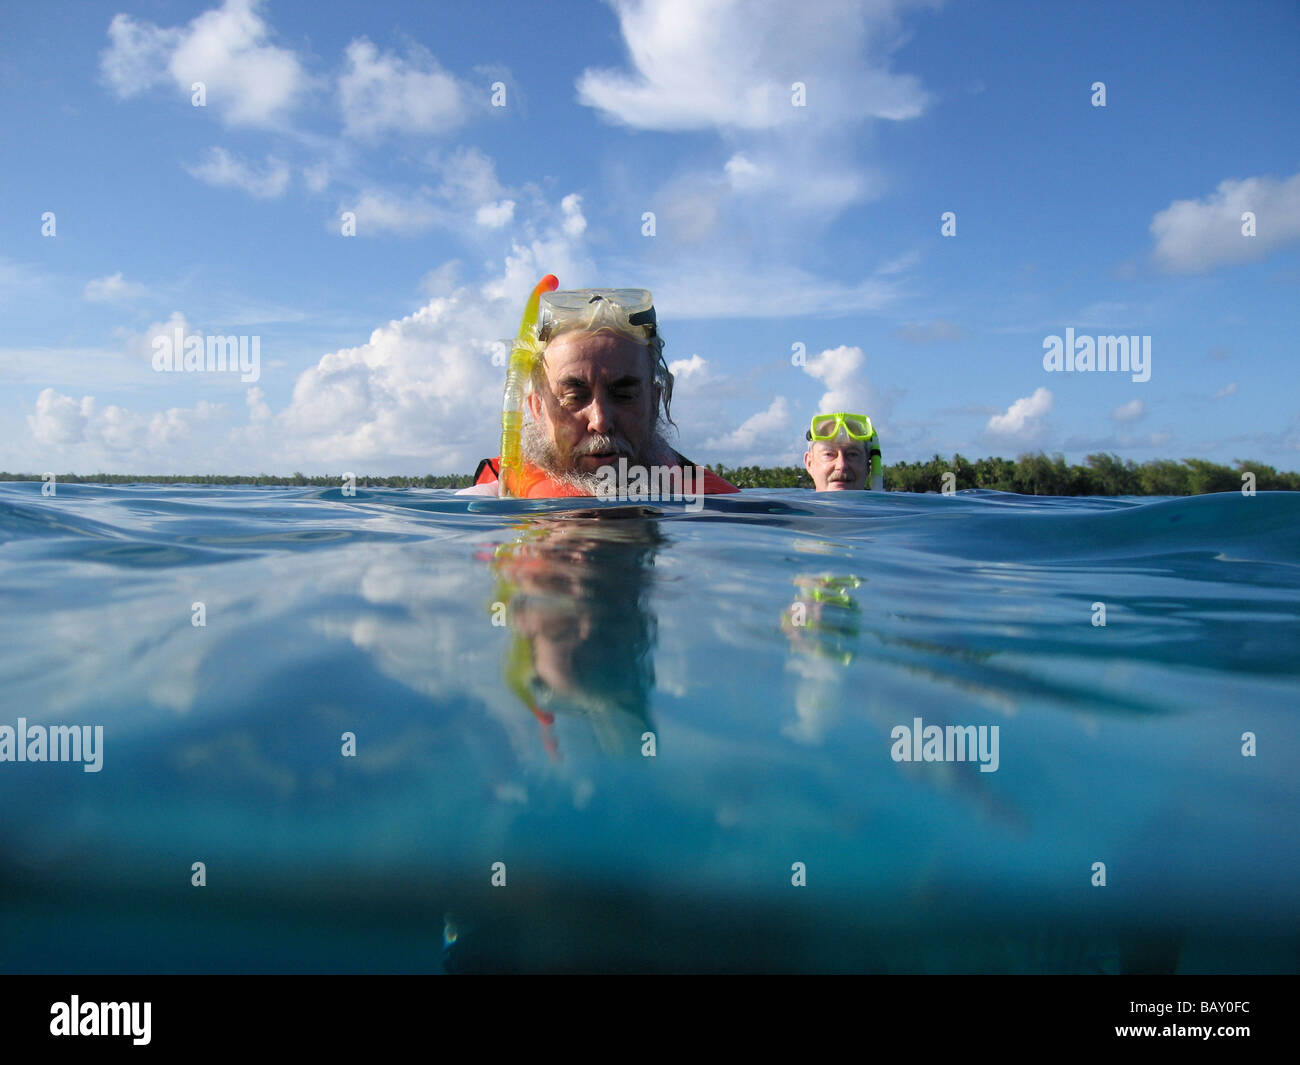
518,372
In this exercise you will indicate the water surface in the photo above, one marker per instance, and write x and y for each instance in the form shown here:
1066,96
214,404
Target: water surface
505,668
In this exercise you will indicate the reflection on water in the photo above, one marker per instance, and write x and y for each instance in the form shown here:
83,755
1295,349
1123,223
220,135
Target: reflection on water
574,594
502,663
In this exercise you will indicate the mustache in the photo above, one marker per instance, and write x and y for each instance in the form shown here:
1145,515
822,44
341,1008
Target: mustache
599,444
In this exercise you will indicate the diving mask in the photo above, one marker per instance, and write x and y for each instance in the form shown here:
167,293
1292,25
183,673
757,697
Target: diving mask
630,311
829,426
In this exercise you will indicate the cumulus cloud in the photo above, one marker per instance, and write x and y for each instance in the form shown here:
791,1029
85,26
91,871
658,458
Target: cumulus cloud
785,87
732,64
1024,422
495,215
684,369
224,170
572,219
1128,412
258,409
248,81
378,212
742,173
422,392
468,176
468,196
61,420
385,93
141,346
112,289
1193,236
841,371
764,432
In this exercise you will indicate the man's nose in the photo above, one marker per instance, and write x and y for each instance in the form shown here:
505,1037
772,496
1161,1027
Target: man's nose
600,415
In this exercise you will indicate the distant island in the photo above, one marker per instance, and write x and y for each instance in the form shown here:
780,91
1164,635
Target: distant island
1029,474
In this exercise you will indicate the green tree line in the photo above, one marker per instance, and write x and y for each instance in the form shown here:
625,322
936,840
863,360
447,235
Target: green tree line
1029,474
1039,475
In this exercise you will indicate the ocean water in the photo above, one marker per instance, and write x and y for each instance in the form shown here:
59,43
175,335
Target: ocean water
591,737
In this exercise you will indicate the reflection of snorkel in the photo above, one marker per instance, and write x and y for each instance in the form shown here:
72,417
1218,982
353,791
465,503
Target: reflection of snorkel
824,616
519,657
518,372
580,636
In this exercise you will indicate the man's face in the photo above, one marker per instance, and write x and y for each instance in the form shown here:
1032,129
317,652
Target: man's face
836,466
599,401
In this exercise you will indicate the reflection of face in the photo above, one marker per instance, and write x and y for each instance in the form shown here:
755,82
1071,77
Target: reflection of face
598,402
836,466
578,600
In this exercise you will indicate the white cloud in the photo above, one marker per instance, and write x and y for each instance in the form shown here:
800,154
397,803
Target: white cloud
1227,390
742,173
573,221
683,369
141,345
137,58
384,212
1193,236
841,371
316,177
1128,412
228,171
258,409
766,431
62,420
685,289
248,81
468,197
731,64
422,392
469,177
384,93
1022,422
112,289
58,419
495,215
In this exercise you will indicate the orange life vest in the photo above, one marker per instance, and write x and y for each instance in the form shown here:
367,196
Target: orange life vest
537,484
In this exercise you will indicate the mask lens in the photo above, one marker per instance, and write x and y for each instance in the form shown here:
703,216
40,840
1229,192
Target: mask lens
635,304
824,428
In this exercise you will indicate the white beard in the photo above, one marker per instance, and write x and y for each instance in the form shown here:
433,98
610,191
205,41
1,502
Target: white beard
538,450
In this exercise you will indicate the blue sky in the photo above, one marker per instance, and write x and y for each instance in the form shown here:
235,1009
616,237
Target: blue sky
775,225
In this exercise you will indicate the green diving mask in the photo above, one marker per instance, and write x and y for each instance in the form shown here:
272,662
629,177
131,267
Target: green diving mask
829,426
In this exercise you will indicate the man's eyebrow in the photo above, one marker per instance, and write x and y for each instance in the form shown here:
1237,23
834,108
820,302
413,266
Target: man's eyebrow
573,381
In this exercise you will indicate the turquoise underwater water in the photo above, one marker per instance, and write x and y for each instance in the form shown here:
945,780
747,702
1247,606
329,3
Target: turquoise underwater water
506,667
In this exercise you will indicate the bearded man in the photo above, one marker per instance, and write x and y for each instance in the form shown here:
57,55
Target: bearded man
599,396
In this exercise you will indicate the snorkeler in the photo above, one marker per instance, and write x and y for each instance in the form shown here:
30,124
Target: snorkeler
598,391
843,450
